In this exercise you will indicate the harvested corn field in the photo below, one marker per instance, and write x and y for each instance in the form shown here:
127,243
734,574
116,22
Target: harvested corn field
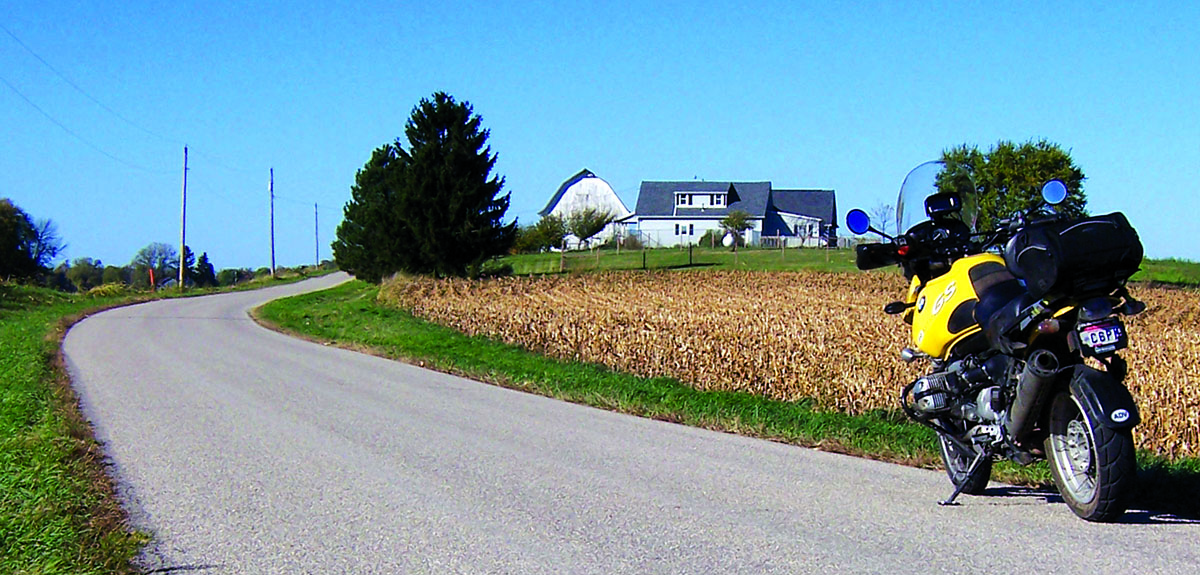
784,335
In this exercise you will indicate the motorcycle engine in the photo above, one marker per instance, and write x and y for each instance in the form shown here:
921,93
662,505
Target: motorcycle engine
933,394
960,392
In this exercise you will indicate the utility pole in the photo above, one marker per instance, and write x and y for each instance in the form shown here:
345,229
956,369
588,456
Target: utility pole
183,223
271,187
316,237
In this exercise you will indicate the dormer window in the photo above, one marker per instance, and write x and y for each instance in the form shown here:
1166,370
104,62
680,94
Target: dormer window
683,199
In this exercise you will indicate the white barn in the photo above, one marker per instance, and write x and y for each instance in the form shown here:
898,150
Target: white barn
586,190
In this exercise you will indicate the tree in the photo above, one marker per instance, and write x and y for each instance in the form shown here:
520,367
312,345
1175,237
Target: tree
203,275
1009,178
883,216
370,244
547,233
115,275
432,208
587,222
27,246
736,223
158,257
85,274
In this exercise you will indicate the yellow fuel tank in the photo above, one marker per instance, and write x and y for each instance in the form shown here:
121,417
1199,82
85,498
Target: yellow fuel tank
942,316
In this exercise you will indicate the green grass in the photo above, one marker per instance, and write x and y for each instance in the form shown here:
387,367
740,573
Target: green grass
349,316
1169,271
681,258
58,513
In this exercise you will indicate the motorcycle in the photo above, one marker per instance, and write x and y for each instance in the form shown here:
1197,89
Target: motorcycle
1008,319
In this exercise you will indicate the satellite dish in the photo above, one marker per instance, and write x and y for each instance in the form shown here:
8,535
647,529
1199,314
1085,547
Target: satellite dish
727,240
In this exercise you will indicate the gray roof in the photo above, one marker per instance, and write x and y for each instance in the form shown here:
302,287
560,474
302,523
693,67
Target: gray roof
657,199
812,203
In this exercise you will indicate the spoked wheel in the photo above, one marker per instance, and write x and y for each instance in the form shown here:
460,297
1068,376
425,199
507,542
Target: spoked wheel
1094,466
958,461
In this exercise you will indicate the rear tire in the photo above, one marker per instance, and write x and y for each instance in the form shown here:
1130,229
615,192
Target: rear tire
1094,467
958,461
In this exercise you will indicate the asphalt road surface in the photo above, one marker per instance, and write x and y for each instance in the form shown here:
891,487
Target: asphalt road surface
244,451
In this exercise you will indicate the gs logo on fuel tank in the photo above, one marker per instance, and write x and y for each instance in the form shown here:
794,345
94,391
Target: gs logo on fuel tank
944,297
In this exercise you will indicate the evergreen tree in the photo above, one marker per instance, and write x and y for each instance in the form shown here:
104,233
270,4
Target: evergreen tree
203,275
431,208
370,242
189,266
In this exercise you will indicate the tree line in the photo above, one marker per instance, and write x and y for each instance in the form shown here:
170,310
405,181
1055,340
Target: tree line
29,247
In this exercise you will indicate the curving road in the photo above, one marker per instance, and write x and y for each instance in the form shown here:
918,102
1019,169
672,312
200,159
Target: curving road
244,451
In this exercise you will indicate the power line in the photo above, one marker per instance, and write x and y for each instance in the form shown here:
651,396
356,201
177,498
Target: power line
64,78
213,159
72,133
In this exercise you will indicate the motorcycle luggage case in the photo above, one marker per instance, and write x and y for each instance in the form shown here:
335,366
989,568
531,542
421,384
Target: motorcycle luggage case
1089,256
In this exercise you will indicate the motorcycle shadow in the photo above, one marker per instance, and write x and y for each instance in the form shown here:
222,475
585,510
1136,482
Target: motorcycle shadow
1019,495
1023,495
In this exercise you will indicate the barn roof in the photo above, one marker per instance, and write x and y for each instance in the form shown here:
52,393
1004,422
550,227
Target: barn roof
584,173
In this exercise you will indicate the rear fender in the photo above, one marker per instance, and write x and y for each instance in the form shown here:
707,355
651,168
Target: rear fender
1106,398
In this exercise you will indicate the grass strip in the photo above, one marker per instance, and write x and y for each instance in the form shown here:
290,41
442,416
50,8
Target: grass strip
58,513
1169,271
348,316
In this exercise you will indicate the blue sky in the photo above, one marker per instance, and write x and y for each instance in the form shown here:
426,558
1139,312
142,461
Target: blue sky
838,95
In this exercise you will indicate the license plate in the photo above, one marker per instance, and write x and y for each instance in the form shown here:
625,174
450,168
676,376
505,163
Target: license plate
1105,336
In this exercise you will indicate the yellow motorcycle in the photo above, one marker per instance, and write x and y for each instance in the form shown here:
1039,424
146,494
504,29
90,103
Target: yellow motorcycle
1007,319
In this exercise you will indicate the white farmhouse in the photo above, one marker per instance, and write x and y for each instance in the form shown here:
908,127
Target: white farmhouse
586,190
680,213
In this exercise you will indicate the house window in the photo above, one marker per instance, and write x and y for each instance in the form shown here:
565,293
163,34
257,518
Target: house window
676,229
691,229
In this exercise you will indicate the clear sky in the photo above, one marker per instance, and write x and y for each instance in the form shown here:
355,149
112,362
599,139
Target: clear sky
97,100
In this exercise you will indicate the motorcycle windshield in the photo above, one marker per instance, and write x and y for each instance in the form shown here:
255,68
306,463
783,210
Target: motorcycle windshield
926,180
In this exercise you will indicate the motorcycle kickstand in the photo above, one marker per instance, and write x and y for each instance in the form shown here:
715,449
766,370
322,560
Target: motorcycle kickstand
971,471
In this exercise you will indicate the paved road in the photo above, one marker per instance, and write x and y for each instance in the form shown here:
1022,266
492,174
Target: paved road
244,451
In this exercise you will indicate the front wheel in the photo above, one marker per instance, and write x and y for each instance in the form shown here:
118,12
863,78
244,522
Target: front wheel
1093,466
958,462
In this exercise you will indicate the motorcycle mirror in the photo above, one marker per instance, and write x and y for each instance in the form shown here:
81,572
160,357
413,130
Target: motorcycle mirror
858,221
1054,192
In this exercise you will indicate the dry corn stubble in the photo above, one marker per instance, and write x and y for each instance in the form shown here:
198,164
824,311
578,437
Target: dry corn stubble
785,335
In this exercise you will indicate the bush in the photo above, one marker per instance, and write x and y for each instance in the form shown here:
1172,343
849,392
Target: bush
631,243
108,290
714,238
495,269
536,238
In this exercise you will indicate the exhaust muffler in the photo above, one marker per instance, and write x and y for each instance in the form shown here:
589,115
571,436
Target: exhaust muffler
1032,387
